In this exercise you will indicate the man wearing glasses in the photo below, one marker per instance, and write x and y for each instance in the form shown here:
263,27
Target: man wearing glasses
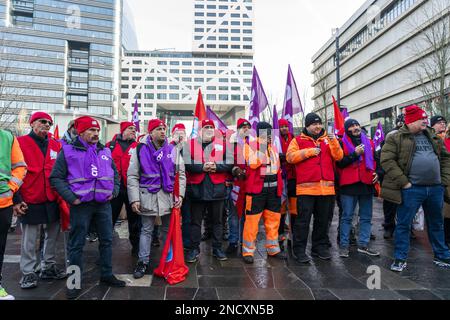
35,203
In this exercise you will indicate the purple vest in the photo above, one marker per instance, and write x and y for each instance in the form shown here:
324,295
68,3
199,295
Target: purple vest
90,179
157,167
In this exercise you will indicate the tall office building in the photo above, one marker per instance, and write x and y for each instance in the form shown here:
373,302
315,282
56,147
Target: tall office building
166,83
62,56
383,49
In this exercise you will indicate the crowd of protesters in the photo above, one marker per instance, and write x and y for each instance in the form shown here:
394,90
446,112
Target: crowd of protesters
227,184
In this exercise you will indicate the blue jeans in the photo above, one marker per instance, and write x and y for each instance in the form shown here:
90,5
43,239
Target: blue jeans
365,219
80,219
186,222
233,220
431,198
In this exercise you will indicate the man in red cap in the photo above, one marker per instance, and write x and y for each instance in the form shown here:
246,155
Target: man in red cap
122,147
206,170
179,135
151,181
36,203
236,207
417,171
179,138
289,205
86,178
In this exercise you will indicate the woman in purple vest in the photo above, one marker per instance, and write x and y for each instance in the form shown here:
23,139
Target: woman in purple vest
86,177
151,177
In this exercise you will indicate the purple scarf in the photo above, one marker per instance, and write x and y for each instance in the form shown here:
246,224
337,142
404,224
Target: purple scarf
91,161
368,156
165,158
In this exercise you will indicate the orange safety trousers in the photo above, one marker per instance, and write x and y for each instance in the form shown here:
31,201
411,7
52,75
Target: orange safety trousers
251,226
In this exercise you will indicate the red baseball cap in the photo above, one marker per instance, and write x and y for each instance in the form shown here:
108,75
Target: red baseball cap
283,123
414,113
155,123
177,127
85,123
125,125
242,122
40,115
208,122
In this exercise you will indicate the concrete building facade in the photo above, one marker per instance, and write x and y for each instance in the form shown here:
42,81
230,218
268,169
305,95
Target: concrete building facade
166,83
383,52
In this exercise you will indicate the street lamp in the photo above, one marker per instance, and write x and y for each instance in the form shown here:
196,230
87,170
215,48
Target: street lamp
338,67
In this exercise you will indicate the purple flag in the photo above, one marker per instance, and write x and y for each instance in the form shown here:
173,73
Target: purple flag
378,137
211,115
135,117
292,102
276,130
345,114
258,101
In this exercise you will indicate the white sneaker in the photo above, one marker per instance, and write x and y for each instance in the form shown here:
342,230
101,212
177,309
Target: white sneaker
4,295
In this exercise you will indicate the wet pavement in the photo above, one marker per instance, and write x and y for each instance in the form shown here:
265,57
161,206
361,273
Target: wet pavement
266,279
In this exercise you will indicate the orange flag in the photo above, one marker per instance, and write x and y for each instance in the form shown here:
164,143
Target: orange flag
338,119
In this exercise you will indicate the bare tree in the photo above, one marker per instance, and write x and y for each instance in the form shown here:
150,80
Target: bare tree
433,48
11,101
323,91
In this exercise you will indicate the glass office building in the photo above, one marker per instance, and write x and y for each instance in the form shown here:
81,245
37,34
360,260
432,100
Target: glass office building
62,56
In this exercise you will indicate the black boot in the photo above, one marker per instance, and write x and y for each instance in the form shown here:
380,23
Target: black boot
447,231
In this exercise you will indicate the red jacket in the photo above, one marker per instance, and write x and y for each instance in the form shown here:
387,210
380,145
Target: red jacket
36,187
121,158
357,171
288,168
314,169
254,182
198,156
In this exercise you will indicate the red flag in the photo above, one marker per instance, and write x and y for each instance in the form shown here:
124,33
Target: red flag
171,265
238,196
56,133
338,119
199,115
64,213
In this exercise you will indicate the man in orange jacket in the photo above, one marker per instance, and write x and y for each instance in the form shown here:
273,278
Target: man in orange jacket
264,186
313,153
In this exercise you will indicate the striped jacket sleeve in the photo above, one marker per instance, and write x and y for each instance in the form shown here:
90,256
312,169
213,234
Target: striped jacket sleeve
18,167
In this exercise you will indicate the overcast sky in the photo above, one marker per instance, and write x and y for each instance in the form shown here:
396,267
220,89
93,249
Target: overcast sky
287,32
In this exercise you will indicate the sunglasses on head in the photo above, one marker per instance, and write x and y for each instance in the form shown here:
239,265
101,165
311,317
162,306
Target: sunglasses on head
43,121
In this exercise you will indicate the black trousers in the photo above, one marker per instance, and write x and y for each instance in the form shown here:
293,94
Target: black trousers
215,211
134,220
389,210
307,206
5,223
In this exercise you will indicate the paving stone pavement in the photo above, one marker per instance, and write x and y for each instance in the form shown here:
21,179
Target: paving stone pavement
271,279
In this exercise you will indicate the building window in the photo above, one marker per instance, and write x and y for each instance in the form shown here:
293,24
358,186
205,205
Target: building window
210,97
161,96
223,97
